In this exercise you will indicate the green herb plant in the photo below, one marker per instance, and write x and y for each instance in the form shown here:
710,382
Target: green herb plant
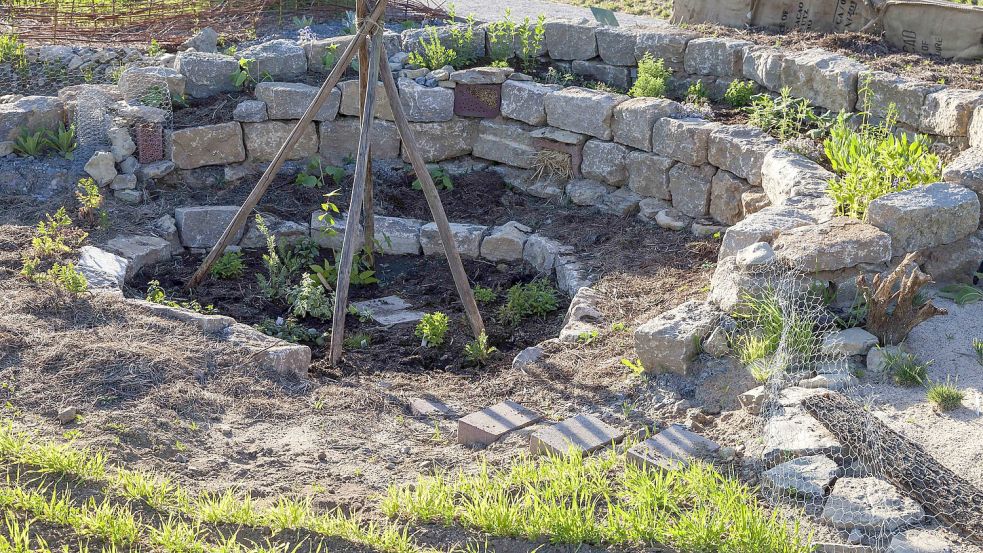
786,117
697,94
30,144
89,199
536,298
739,93
478,351
945,395
310,299
432,329
62,140
230,266
439,176
652,78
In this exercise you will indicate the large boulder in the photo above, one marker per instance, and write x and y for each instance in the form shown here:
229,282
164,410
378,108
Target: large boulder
526,101
101,167
445,139
802,478
291,100
140,251
689,187
263,140
666,43
205,40
136,78
582,110
740,150
206,74
571,40
726,191
467,238
506,242
762,226
504,141
30,113
317,52
426,104
398,236
208,145
616,45
926,216
763,65
277,59
967,169
339,140
634,119
670,341
841,243
605,161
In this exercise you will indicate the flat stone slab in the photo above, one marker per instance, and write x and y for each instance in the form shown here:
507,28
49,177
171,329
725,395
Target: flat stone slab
919,540
491,423
388,311
805,477
791,432
671,449
582,433
430,408
871,505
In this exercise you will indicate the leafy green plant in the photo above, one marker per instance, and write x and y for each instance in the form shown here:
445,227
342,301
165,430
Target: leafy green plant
62,140
652,78
536,298
13,51
358,340
739,93
961,294
154,49
230,266
531,37
432,329
634,365
280,263
330,57
441,179
478,351
362,273
314,172
349,23
557,77
29,144
945,395
483,294
698,94
501,36
310,299
434,54
55,235
587,337
786,117
243,75
292,331
461,37
301,21
68,277
89,198
156,294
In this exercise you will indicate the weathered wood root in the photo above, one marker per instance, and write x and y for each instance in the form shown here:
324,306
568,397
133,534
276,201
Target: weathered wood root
942,492
891,314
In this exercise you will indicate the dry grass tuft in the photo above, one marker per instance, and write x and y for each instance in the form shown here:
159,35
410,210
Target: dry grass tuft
551,164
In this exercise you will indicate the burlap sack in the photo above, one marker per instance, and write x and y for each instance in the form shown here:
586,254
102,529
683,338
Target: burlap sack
824,16
935,27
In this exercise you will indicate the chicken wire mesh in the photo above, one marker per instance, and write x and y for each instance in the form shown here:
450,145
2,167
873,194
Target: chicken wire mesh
92,120
823,451
149,112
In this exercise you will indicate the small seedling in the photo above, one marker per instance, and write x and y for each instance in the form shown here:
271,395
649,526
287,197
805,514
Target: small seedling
440,179
978,348
619,327
359,340
634,365
483,294
739,94
587,336
432,329
229,267
946,396
90,200
313,174
698,94
242,76
478,351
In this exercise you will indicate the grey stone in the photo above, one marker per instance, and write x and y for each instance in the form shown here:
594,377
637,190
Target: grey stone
205,40
948,111
755,255
317,49
264,140
559,135
975,129
763,65
202,226
967,170
825,79
508,142
754,201
716,343
279,59
542,252
398,236
726,190
467,238
102,269
482,75
284,232
582,110
673,448
791,432
6,148
446,139
955,262
339,140
877,358
206,74
388,311
672,219
250,111
721,57
140,251
208,145
30,113
605,161
581,433
634,119
804,477
926,216
648,174
123,182
291,100
424,104
839,381
526,101
649,208
841,243
918,540
269,353
740,150
667,43
670,341
907,95
570,275
430,408
622,202
133,77
587,192
527,358
763,226
689,187
753,399
852,341
491,423
156,170
571,40
67,415
505,242
785,174
101,167
870,505
122,145
594,70
684,140
616,45
350,102
329,232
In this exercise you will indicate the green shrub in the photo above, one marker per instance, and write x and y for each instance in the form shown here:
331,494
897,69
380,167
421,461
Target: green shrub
89,198
310,299
62,140
479,351
652,77
946,396
531,37
536,298
432,329
739,94
230,266
434,54
280,263
483,294
55,235
785,117
312,176
698,94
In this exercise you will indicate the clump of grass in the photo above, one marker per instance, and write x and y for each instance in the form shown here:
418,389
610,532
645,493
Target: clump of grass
905,369
603,501
945,395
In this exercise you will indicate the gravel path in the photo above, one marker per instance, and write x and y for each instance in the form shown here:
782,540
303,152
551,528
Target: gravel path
492,11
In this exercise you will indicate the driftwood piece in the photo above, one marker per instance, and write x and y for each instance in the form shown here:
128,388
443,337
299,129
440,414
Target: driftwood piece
891,309
903,463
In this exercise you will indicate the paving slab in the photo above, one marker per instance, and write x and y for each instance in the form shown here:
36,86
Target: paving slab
581,433
491,423
431,408
388,311
671,449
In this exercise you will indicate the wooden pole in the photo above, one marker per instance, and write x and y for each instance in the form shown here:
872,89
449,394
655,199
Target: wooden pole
433,200
264,182
368,207
355,207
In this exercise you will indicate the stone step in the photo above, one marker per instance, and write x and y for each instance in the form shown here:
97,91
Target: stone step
671,449
430,408
491,423
581,433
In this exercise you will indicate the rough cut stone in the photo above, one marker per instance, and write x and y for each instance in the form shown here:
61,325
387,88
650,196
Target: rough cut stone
102,269
582,110
671,449
955,262
852,341
284,232
527,358
398,236
587,192
805,477
541,252
792,432
926,216
430,408
264,140
948,111
425,104
506,242
975,129
838,244
667,43
870,505
740,150
205,40
316,50
581,433
445,139
763,226
277,59
595,70
837,381
571,40
689,187
670,341
209,145
123,182
827,80
907,95
491,423
633,120
763,65
753,399
684,140
621,202
616,45
672,219
269,353
206,74
339,140
526,101
388,311
250,111
918,540
506,142
134,77
721,57
140,251
291,100
482,75
648,174
785,174
605,161
101,167
209,324
202,226
466,237
726,190
967,170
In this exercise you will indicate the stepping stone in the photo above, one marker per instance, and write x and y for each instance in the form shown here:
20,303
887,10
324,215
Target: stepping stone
491,423
919,540
870,505
431,408
672,449
805,477
582,433
790,432
388,311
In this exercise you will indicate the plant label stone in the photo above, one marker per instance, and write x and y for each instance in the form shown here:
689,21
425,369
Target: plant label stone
491,423
582,433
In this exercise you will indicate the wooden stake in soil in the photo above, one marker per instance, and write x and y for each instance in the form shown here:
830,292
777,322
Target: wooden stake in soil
355,206
264,182
361,11
433,201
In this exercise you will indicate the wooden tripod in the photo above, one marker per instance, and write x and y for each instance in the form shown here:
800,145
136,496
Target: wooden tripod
362,181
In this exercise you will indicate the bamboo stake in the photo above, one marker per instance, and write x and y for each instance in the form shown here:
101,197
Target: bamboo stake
264,182
361,10
355,207
433,201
